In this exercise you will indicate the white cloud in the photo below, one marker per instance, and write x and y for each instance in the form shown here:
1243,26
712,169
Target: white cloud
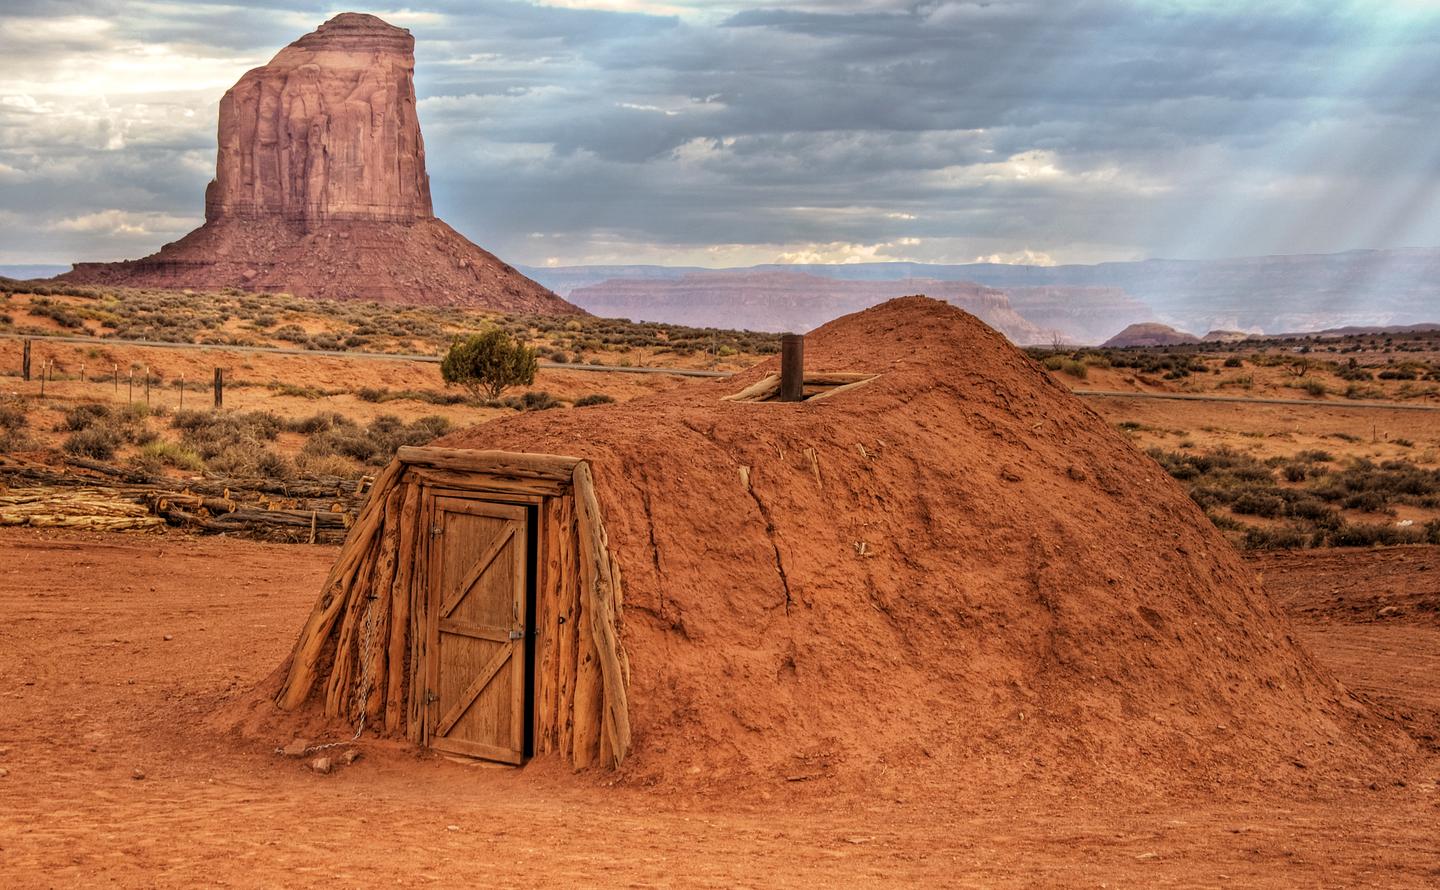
122,222
1025,257
633,106
846,253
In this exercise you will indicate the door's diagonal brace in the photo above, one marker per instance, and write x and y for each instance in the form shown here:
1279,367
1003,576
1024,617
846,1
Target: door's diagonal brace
473,691
455,596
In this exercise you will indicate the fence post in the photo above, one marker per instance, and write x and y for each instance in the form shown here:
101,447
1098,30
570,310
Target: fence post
147,386
219,388
25,362
182,392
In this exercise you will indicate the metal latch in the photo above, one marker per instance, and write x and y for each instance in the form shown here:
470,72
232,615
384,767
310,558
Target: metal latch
431,697
436,531
517,634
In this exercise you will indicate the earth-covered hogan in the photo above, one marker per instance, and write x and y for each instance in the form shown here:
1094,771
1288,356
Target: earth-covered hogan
955,572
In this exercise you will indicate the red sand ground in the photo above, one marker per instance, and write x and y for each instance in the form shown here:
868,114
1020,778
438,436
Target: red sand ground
91,690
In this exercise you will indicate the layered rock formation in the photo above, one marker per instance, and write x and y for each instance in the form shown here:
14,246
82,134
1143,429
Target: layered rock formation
320,189
788,301
326,131
1149,334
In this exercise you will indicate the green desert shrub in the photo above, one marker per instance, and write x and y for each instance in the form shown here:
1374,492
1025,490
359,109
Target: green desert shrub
96,443
376,443
538,400
154,456
14,425
488,363
250,458
1256,538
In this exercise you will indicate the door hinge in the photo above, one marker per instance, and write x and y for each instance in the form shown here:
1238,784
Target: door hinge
517,634
436,531
431,698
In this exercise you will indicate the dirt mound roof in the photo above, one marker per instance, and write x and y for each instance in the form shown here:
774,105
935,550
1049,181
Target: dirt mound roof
956,566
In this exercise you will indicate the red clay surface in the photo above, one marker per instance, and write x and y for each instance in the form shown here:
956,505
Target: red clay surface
91,690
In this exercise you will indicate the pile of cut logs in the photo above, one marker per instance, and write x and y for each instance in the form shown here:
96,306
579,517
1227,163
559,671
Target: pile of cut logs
94,495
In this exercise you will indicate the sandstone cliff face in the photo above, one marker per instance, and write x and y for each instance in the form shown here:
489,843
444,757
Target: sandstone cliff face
327,130
320,190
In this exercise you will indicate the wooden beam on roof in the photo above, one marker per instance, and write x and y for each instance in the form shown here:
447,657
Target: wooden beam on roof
500,463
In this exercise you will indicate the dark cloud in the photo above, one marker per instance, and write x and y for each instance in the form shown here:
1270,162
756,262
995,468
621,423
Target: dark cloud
936,130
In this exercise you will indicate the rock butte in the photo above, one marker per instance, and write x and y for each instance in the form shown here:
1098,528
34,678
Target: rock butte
320,189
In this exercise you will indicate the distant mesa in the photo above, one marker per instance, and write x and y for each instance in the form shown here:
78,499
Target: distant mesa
320,189
1149,334
788,301
1225,337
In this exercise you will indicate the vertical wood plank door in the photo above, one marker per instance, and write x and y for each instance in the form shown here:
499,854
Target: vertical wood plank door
478,565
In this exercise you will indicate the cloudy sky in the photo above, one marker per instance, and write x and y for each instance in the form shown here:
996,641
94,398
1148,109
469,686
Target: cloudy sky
730,133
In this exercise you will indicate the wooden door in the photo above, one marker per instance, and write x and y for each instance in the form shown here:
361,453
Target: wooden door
478,572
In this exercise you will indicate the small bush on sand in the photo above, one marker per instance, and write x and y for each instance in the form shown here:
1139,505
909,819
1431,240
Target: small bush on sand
154,456
1371,534
595,398
489,363
1252,503
375,444
1273,539
318,422
84,416
250,459
13,416
96,443
317,466
14,422
538,400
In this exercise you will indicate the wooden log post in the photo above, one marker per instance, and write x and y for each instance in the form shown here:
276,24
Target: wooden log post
547,608
568,622
25,361
219,389
599,621
339,687
377,659
400,604
333,600
147,386
792,368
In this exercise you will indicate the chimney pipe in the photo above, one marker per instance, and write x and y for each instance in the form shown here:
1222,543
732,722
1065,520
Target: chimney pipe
792,368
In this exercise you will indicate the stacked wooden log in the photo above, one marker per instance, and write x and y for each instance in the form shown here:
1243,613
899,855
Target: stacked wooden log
364,646
314,510
88,508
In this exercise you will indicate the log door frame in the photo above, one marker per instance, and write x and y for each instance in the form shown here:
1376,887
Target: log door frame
518,636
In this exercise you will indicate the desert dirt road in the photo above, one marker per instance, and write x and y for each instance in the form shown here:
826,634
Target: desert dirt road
117,650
